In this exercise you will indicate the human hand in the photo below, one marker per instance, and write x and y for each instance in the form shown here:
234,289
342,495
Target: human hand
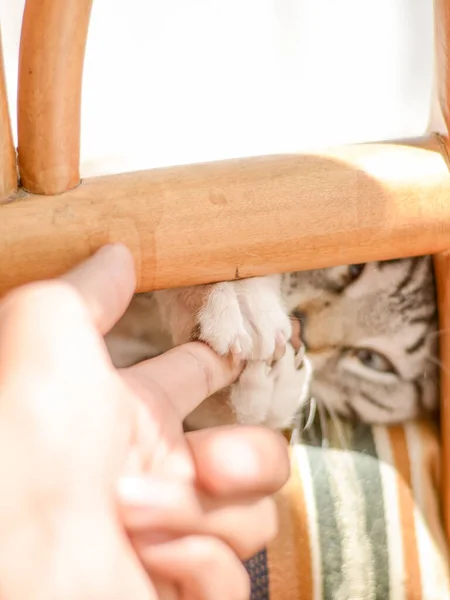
74,425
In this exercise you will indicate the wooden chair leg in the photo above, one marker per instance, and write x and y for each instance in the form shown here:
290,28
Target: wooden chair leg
52,50
8,170
442,270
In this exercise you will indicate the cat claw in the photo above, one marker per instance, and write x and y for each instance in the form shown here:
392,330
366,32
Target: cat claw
280,346
300,357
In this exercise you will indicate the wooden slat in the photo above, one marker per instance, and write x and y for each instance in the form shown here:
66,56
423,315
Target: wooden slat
8,171
442,269
52,49
241,218
442,261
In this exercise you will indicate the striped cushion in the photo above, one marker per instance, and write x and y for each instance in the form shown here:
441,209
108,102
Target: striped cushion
359,523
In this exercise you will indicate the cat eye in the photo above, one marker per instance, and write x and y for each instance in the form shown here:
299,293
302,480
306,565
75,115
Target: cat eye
347,275
355,271
373,360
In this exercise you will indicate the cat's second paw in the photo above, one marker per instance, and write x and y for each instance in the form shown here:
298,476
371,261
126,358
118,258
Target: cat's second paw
272,395
246,318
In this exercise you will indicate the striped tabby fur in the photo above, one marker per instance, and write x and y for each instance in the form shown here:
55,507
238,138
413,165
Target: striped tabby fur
371,334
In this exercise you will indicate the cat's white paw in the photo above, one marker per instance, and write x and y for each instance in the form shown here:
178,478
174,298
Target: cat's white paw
293,377
246,318
222,323
253,393
272,395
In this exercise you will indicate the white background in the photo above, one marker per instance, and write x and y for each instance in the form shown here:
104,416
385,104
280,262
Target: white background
179,81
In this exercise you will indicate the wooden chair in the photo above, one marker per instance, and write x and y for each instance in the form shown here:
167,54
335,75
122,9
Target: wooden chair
223,220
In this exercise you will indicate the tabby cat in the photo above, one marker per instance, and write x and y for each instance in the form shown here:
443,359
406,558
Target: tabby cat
368,331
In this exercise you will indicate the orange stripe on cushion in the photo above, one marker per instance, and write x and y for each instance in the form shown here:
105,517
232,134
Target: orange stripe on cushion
289,555
423,447
413,584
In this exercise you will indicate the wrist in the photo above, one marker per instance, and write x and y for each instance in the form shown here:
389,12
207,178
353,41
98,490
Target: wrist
64,556
49,529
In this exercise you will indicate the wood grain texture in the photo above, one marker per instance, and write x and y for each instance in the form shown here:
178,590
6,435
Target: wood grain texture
52,50
442,45
442,271
8,171
233,219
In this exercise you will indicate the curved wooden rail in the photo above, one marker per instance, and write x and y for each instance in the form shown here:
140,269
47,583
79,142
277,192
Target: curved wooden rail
8,171
52,50
240,218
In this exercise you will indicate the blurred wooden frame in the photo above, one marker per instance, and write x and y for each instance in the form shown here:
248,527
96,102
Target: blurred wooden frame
210,222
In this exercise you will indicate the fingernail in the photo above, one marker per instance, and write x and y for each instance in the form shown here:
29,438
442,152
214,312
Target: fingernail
280,338
113,247
105,249
236,348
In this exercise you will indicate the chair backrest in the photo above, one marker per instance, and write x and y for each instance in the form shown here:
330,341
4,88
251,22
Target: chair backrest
219,221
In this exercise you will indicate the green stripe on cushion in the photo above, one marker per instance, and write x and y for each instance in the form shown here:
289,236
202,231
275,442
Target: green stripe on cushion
329,535
367,468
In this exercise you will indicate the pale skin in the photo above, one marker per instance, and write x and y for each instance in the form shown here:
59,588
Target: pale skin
103,495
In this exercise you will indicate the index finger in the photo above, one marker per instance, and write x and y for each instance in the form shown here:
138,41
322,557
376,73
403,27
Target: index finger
186,375
106,281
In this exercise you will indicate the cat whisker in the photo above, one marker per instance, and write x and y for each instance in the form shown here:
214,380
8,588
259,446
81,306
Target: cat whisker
297,430
303,363
299,427
337,424
311,414
437,333
438,363
323,411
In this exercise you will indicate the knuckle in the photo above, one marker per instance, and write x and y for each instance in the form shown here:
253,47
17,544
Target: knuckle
263,529
199,357
241,588
269,518
220,563
276,448
206,551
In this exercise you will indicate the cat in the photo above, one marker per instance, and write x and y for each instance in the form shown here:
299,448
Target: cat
367,348
371,333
